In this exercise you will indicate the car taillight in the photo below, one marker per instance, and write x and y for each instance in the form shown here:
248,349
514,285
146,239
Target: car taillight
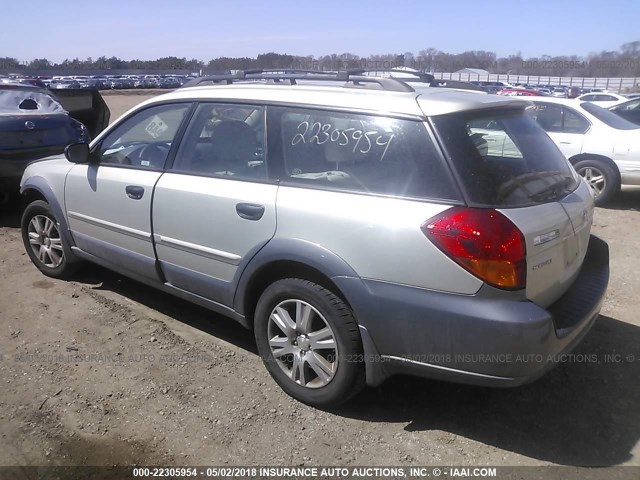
484,242
83,133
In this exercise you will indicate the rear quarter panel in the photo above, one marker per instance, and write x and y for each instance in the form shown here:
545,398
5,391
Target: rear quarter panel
379,237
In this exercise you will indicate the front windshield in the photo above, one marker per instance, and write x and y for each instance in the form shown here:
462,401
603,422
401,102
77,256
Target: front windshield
607,117
504,158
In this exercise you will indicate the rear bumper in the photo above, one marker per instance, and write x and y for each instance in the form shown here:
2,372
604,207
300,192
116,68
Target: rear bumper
481,339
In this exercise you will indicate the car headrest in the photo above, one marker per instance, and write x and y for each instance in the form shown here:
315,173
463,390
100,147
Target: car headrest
234,140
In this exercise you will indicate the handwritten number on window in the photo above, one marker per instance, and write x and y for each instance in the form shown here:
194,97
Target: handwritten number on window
358,140
302,131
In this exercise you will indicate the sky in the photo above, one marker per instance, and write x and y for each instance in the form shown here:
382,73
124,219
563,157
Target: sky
206,29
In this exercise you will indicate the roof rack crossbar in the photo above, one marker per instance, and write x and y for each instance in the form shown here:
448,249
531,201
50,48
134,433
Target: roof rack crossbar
441,82
422,77
417,76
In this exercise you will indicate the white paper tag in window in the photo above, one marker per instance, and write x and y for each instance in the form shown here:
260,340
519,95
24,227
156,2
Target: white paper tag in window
156,127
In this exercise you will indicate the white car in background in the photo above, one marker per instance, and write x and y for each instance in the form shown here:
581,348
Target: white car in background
603,147
603,99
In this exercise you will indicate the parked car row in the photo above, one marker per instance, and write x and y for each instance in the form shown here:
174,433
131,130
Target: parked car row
103,82
560,91
572,92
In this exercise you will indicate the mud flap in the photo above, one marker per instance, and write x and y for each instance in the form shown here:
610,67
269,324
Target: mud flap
86,106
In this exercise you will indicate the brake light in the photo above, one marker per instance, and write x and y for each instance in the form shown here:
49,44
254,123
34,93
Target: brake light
484,242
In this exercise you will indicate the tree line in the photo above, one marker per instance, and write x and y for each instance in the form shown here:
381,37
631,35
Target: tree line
624,62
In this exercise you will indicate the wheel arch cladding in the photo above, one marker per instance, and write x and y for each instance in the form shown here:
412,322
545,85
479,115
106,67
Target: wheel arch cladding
283,258
37,188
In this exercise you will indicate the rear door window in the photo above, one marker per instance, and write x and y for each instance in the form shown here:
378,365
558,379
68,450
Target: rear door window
573,122
558,118
224,140
504,158
361,153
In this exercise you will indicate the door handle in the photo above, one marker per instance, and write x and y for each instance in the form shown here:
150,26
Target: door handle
134,191
565,143
250,211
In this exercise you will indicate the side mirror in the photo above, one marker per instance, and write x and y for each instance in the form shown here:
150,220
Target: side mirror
77,152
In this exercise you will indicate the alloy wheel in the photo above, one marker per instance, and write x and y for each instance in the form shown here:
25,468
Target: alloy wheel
45,241
302,343
595,178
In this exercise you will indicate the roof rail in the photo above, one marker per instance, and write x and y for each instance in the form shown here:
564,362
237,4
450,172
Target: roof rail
353,80
298,70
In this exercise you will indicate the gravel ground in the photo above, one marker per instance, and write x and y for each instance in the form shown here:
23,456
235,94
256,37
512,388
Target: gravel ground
103,370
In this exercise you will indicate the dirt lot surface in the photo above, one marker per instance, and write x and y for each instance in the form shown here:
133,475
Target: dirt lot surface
103,370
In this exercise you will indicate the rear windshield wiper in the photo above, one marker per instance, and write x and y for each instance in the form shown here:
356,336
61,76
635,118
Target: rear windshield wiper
552,191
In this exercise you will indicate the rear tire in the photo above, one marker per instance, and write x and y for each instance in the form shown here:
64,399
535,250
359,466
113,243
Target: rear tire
43,241
601,177
309,342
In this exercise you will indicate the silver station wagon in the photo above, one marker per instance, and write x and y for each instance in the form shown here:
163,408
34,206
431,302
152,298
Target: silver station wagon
362,226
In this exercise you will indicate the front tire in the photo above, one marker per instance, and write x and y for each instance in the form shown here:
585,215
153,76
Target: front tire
601,177
43,241
309,342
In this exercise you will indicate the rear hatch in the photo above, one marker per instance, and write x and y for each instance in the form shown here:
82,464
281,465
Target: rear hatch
505,161
86,106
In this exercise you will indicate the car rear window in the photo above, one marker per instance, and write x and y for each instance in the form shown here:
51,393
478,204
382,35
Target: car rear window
504,158
609,118
361,153
27,101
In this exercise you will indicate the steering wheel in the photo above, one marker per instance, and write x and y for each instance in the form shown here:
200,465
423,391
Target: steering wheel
118,158
154,153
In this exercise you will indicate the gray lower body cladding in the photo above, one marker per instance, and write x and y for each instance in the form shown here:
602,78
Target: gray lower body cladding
479,339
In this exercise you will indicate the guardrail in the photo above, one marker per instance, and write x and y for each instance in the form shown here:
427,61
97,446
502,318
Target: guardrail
624,84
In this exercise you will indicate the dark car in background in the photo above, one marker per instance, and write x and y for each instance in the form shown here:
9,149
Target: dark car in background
96,83
36,82
573,92
60,84
169,82
35,123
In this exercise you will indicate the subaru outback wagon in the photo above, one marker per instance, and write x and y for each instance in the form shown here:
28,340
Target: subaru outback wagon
361,226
